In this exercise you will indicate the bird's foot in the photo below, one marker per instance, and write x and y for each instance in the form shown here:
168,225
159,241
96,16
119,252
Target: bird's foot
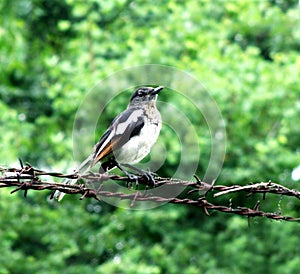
132,178
149,175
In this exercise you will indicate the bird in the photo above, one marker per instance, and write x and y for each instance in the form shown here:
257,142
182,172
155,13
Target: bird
128,139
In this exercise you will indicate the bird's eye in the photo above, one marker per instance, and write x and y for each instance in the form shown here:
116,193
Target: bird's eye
140,93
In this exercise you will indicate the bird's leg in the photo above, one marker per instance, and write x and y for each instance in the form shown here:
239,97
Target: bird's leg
111,164
129,175
147,173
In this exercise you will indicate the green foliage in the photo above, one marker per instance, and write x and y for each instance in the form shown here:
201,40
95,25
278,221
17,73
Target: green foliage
245,53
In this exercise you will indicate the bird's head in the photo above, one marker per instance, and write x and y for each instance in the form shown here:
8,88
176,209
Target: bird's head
145,95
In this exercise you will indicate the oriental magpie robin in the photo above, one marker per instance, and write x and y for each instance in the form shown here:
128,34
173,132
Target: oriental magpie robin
128,139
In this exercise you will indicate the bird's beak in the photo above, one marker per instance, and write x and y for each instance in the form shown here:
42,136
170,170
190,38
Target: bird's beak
157,90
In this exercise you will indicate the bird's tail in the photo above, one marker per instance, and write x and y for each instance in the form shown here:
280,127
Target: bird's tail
84,167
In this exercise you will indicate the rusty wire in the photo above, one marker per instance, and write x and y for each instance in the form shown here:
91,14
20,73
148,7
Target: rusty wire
29,178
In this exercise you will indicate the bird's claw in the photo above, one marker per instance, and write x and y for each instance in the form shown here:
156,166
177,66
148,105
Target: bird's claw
149,175
131,178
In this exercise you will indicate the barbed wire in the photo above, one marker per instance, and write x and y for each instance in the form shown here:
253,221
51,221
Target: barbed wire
29,178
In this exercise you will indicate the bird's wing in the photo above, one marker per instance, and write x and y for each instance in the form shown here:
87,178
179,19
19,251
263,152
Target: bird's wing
126,125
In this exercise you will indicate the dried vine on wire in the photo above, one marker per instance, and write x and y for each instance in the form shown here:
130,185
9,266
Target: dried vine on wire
29,178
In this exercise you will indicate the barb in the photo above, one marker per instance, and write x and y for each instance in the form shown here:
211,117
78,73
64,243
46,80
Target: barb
262,187
29,178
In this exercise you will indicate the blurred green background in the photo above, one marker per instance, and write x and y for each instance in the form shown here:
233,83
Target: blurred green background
246,53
